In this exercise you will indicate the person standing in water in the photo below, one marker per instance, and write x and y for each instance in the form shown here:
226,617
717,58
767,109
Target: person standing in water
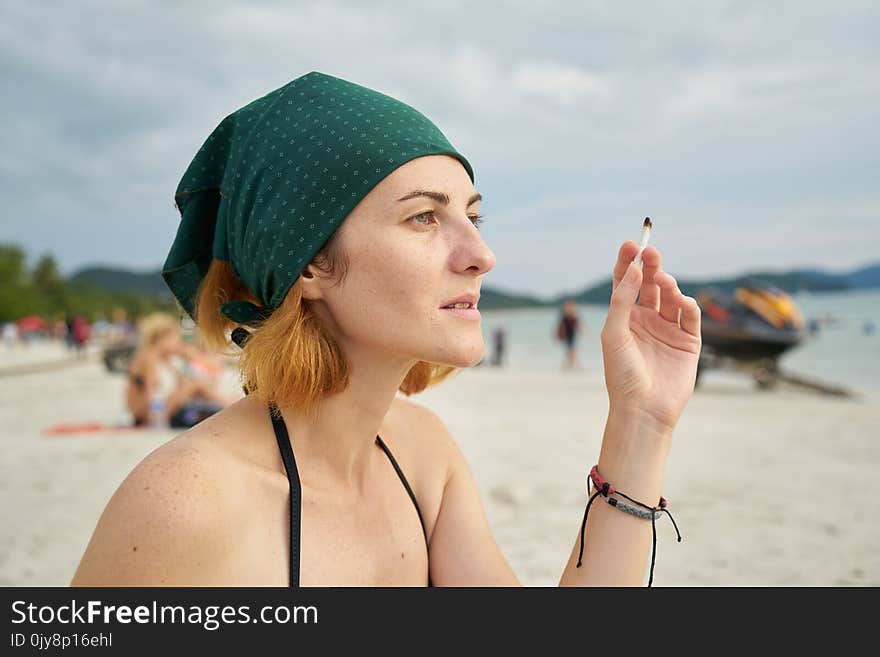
499,338
567,330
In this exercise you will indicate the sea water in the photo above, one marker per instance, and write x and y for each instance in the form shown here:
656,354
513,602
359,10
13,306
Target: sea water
843,351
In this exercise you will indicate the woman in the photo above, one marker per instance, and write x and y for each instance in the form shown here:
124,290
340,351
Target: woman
159,377
343,232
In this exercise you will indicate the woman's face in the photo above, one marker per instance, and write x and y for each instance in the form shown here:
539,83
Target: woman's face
407,260
168,344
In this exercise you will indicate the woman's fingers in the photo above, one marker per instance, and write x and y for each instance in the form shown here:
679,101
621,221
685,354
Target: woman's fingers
671,297
623,299
691,316
672,301
658,291
625,255
649,296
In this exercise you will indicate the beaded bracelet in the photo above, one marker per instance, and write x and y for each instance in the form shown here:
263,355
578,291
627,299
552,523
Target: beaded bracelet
600,483
607,489
651,513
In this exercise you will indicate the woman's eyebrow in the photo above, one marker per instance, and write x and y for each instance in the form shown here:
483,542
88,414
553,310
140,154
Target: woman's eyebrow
440,197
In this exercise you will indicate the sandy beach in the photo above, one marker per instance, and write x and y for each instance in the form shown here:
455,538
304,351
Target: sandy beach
768,488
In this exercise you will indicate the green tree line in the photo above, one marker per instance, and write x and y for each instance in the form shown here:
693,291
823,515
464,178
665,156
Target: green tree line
43,291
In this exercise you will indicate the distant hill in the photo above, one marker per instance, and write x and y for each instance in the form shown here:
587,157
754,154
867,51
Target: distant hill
865,277
492,298
122,280
812,280
805,280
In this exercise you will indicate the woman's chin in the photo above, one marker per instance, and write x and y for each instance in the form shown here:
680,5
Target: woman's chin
460,360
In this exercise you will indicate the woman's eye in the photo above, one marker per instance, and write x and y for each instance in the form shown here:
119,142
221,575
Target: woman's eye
477,219
419,216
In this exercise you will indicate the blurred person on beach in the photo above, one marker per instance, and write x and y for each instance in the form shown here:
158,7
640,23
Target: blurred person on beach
499,339
201,362
163,387
81,331
122,328
567,330
68,335
59,329
337,293
10,334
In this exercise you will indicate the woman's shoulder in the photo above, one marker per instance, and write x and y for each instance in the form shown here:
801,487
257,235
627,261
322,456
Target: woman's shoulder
431,452
428,435
421,442
188,466
165,521
421,424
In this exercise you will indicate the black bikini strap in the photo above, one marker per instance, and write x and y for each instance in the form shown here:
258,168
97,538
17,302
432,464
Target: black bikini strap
283,439
412,496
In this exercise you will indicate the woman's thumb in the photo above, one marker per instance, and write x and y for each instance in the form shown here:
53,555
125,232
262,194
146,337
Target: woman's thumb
623,297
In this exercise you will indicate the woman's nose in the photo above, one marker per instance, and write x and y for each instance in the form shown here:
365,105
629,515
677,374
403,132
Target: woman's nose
487,257
474,253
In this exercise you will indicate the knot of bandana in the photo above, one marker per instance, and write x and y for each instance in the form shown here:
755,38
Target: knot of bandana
276,178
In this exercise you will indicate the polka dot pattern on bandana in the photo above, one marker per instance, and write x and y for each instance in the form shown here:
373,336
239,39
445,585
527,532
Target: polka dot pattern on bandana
277,177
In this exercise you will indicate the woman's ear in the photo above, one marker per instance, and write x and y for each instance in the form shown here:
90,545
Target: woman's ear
311,283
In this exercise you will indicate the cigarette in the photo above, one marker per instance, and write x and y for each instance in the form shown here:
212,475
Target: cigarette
646,235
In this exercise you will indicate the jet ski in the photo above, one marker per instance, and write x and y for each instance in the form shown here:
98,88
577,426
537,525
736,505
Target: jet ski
748,329
754,321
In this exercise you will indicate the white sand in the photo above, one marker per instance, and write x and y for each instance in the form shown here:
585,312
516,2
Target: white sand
768,488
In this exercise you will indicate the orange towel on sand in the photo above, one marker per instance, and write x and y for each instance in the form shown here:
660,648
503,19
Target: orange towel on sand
66,429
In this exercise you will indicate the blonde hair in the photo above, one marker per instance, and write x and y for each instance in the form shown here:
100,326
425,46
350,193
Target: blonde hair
290,358
156,326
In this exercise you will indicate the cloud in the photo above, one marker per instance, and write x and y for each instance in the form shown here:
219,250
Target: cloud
732,123
559,83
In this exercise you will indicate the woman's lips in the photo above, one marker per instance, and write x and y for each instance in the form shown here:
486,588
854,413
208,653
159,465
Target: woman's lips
466,313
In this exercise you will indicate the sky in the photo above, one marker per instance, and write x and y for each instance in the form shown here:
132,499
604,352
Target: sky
748,131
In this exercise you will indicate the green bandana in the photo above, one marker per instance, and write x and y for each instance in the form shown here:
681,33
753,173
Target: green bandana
276,178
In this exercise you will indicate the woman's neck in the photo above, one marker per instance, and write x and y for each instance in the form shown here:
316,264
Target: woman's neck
339,441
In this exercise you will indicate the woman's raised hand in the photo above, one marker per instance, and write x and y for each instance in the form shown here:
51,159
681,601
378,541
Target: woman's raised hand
651,348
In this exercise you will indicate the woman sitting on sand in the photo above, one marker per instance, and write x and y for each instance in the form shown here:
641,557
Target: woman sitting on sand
331,231
161,370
